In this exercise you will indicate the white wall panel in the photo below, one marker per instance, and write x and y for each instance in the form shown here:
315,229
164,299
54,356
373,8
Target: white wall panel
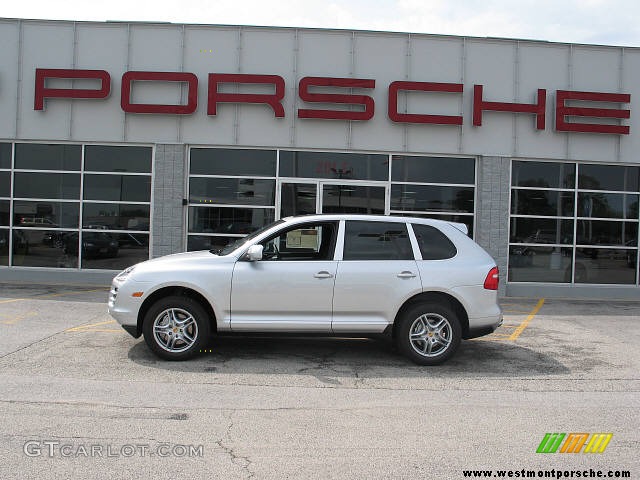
154,48
9,39
382,58
322,55
207,51
630,144
102,47
541,66
490,64
269,52
45,45
434,60
594,70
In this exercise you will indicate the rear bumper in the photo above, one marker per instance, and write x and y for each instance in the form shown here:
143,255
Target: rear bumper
478,327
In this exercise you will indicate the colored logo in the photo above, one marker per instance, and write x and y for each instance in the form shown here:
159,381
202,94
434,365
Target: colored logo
573,442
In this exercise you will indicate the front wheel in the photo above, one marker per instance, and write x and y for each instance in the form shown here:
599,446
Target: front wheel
429,333
176,328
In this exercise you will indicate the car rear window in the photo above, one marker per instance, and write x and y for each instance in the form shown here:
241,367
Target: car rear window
434,245
376,241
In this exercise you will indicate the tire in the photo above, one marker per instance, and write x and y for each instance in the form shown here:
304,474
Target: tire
429,333
176,328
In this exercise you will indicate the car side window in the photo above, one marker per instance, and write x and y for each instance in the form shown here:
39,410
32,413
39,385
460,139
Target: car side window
434,245
365,240
310,241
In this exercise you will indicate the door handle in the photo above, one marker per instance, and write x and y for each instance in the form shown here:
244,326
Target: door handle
406,274
323,274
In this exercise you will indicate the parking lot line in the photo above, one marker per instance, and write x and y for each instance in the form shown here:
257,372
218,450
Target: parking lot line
82,328
19,318
530,317
51,295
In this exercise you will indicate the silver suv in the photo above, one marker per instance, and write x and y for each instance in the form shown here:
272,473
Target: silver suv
422,281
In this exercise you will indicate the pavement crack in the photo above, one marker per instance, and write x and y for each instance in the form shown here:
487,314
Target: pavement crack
244,462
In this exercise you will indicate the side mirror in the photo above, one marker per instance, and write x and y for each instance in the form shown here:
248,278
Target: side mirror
254,253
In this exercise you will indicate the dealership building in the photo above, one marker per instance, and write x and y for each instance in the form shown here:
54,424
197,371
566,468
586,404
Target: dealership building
121,142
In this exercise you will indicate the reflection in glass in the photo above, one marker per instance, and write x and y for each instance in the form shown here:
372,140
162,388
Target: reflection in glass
5,155
44,214
113,251
119,188
433,169
109,158
351,166
433,198
228,220
352,199
297,199
4,246
233,161
607,205
39,248
608,177
205,242
37,156
5,184
542,202
115,216
540,264
543,174
599,265
541,230
4,213
600,232
240,191
47,185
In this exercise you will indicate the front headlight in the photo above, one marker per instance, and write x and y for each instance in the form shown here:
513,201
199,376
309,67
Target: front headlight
122,276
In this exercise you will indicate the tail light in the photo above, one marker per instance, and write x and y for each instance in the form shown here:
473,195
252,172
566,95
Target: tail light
491,282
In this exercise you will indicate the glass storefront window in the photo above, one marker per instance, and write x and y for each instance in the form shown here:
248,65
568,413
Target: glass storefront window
598,232
236,162
593,264
47,185
206,242
297,199
543,174
38,156
550,203
5,184
541,230
229,191
432,198
605,266
5,155
433,169
112,251
45,214
115,216
41,248
228,220
332,165
608,177
106,158
4,246
348,198
607,205
466,219
119,188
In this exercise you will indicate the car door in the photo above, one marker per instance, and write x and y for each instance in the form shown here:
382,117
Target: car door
291,288
376,275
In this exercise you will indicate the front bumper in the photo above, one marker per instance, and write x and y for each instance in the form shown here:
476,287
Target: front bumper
124,307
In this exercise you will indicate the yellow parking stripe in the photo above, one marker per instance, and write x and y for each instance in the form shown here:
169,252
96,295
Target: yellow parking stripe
530,317
51,295
86,327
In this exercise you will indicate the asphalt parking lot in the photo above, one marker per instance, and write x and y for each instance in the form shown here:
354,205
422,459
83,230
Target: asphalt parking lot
80,398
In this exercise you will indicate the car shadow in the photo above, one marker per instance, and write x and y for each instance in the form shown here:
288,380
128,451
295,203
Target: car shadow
351,357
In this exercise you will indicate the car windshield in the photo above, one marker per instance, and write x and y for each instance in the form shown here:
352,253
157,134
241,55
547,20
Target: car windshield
241,241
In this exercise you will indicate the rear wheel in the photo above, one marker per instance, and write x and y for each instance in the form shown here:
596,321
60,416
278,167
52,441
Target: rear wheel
429,333
176,328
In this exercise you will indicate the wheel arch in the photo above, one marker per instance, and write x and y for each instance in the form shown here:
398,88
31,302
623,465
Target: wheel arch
437,297
174,290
